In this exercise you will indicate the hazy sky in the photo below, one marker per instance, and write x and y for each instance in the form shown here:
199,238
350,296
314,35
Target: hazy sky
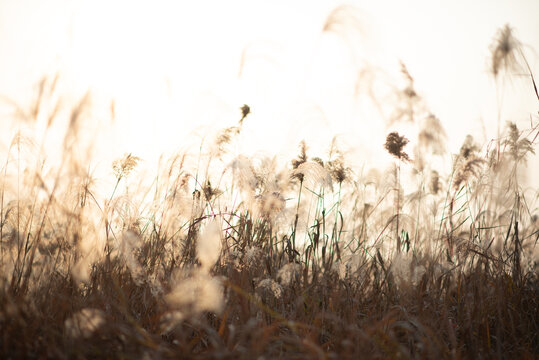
175,66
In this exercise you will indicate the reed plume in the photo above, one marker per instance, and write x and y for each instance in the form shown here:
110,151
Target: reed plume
467,164
395,144
505,51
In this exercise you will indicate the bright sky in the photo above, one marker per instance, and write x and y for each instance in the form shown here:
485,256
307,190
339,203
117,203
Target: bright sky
173,67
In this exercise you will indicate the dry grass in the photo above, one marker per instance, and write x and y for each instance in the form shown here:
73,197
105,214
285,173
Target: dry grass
241,257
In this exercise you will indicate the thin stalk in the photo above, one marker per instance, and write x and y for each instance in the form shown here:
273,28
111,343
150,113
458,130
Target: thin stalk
297,217
397,187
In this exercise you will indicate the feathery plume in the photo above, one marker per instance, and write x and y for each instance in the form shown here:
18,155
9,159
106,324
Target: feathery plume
432,135
518,148
122,167
504,51
335,165
468,163
395,145
224,138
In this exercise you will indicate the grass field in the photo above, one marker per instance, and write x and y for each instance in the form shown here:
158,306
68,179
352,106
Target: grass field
235,256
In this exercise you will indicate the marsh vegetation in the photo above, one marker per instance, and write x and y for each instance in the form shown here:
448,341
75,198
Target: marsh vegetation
239,256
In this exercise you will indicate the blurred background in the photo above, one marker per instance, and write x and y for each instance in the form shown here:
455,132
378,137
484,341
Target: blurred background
163,75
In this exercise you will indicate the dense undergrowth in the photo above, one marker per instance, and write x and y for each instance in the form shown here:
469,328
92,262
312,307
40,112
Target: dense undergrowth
230,256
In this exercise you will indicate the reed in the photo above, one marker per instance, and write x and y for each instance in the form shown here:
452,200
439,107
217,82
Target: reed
230,255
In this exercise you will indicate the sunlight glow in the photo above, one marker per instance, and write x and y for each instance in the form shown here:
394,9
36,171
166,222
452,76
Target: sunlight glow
172,70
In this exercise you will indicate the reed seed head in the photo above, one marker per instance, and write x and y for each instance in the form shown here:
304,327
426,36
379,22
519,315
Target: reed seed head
395,144
122,167
518,148
245,110
504,51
